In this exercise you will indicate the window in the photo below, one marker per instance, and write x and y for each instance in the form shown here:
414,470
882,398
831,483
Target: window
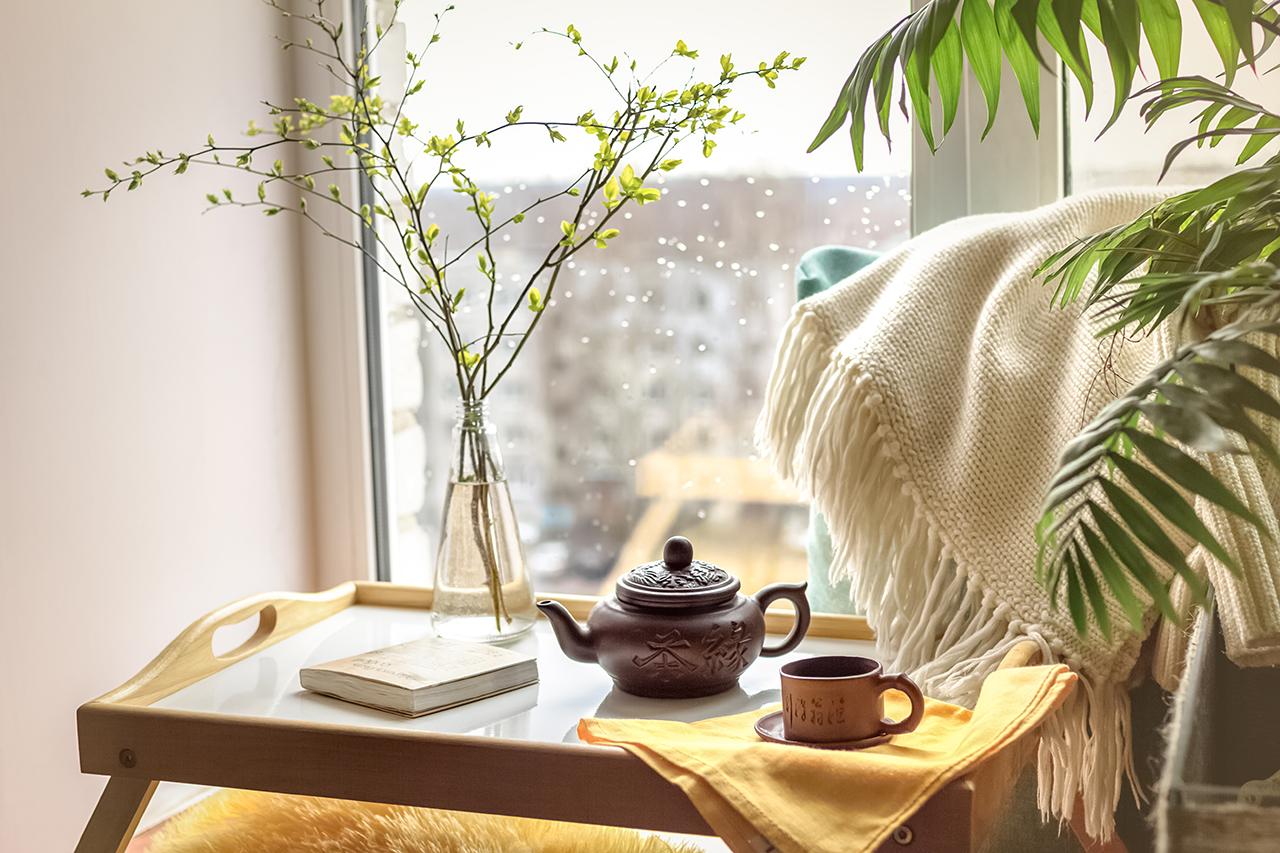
629,416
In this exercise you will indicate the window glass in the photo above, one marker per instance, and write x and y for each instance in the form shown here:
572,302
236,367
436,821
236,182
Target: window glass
629,416
1126,155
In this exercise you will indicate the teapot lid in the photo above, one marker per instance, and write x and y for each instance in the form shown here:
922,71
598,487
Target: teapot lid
677,580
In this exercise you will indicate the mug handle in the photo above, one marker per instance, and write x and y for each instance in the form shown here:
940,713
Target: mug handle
907,686
793,592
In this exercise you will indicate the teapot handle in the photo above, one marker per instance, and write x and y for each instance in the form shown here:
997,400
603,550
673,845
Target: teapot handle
793,592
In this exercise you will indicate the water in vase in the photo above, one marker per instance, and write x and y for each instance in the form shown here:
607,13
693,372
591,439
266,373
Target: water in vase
482,589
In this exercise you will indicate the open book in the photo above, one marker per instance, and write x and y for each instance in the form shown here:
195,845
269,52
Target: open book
422,676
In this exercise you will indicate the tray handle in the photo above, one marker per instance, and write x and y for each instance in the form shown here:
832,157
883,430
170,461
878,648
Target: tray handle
190,657
268,619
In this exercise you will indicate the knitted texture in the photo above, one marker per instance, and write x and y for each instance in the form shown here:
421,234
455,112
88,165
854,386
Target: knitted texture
1249,603
922,405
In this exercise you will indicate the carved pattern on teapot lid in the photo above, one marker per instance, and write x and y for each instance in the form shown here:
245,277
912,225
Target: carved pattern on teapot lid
677,580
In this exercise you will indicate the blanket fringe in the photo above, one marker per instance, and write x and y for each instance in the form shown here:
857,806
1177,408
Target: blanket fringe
822,426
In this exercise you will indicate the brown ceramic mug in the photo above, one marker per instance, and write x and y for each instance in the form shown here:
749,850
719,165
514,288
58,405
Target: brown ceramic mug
837,698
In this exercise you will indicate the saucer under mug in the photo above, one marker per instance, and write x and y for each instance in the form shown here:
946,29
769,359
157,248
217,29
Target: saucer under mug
769,727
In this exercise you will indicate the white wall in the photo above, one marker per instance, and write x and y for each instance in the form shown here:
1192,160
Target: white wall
153,434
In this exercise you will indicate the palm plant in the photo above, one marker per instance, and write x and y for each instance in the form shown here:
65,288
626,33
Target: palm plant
1214,249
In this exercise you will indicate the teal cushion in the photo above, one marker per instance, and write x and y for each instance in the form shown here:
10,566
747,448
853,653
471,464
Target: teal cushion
826,266
818,270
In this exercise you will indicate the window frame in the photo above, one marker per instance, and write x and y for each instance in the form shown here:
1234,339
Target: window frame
966,175
344,395
969,175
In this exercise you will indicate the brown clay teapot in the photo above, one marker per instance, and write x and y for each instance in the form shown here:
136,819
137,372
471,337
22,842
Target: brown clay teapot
677,628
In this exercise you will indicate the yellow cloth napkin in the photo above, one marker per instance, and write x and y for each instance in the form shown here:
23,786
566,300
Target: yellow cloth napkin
830,801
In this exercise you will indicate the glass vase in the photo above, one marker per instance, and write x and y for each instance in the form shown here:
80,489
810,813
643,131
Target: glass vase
482,589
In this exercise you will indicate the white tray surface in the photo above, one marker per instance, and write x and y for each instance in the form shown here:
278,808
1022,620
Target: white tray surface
265,685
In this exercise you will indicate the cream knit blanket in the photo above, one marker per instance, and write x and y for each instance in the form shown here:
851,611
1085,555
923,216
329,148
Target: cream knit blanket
922,405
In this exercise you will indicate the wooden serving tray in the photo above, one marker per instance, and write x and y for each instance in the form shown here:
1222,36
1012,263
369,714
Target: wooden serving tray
241,720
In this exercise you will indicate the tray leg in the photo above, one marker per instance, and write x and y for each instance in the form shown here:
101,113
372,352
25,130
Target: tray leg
116,816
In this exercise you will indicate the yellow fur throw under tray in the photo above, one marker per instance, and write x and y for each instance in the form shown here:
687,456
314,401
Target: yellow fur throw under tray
253,822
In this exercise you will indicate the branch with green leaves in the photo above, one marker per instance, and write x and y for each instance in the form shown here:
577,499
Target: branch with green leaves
363,130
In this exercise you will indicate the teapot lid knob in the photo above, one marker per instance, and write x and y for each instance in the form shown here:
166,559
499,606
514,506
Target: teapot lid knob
676,582
678,553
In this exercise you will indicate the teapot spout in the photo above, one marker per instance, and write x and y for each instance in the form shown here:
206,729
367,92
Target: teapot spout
575,640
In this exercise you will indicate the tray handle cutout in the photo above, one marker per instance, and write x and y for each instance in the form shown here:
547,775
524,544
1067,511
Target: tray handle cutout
225,643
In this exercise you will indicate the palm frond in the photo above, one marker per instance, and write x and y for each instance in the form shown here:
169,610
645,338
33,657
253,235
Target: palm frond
1202,242
1128,478
1126,484
1224,114
927,52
